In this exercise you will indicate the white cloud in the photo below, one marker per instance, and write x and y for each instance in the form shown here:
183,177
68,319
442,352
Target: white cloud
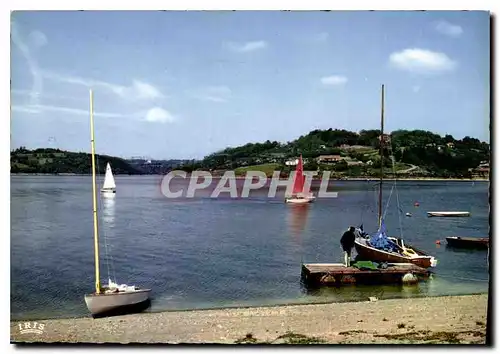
154,115
334,80
48,95
422,61
35,109
214,94
143,90
39,40
449,29
159,115
248,46
138,90
25,109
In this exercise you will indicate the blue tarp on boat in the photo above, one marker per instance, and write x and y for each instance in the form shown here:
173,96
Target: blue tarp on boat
380,241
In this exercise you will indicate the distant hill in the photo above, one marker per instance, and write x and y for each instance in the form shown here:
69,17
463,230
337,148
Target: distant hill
157,167
416,153
55,161
347,153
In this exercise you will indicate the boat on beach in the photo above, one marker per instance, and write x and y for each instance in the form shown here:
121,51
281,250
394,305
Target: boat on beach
112,298
448,213
299,196
468,242
379,247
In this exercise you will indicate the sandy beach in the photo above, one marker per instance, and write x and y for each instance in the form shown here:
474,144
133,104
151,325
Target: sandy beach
449,319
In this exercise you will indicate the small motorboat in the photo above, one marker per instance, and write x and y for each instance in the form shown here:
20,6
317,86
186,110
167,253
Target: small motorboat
468,242
448,213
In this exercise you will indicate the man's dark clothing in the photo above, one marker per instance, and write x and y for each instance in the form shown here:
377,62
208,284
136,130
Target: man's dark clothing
347,241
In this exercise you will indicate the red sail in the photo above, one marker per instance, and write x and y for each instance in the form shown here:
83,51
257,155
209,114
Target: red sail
298,185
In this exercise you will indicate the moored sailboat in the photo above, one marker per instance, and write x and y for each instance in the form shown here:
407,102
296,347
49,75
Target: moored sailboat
299,196
379,247
112,298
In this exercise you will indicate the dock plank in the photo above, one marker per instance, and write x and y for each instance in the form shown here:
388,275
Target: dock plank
315,274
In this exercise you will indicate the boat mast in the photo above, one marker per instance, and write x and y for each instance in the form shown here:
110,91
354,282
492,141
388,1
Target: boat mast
94,197
381,161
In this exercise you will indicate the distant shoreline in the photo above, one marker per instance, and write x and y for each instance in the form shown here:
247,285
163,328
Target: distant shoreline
368,179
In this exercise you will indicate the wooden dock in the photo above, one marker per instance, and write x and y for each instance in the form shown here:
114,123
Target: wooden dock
337,274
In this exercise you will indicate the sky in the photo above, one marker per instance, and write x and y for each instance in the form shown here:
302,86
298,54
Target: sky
185,84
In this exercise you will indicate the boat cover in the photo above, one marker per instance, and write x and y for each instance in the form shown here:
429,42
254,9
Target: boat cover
366,265
380,240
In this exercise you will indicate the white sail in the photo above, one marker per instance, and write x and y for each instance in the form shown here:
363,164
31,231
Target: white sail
109,180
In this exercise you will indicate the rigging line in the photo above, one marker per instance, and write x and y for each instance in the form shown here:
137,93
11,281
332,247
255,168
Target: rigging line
109,257
387,204
396,188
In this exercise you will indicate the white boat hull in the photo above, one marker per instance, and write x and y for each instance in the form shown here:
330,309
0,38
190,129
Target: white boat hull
448,213
299,200
104,303
108,191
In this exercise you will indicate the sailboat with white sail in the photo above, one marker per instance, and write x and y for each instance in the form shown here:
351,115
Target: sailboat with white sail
299,196
109,186
113,297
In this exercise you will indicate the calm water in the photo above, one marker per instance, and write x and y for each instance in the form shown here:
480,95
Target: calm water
211,253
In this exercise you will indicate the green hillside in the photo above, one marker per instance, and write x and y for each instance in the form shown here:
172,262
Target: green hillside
56,161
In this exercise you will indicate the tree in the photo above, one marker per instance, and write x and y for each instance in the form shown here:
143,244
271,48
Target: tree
312,165
340,166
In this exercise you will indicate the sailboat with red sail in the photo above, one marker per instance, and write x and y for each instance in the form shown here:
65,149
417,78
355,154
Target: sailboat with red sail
299,196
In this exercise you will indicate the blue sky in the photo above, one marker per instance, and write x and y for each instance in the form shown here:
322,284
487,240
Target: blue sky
185,84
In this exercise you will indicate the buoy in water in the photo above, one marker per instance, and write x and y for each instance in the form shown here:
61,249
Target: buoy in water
438,242
416,204
409,278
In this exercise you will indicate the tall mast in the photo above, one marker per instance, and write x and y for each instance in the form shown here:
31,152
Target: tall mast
381,160
94,197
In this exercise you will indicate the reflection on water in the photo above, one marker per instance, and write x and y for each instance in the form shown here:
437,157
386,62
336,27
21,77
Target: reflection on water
108,210
107,232
297,219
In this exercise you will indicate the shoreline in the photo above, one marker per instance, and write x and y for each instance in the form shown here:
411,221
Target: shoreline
229,307
367,179
442,319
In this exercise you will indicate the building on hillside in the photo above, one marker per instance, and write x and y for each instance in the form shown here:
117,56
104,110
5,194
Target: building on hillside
482,171
329,158
353,162
352,147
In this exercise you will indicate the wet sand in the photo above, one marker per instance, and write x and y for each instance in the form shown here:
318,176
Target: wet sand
449,319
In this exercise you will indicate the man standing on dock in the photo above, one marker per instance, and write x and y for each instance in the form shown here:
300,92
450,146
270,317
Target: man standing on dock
347,242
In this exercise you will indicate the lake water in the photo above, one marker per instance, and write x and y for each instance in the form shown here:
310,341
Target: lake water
205,253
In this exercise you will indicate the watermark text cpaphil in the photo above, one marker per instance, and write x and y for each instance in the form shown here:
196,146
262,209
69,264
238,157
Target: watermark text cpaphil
202,183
